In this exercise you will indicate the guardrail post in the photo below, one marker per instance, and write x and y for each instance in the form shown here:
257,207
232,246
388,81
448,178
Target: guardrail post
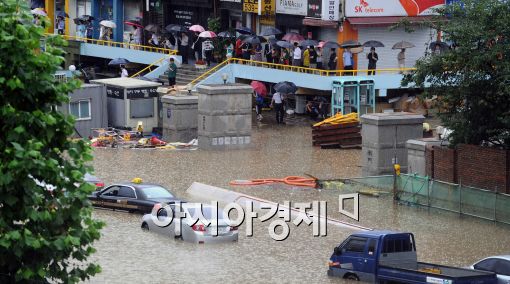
496,204
429,183
460,196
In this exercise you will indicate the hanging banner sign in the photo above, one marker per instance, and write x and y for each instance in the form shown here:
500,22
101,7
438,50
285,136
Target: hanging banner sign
251,6
330,10
267,8
403,8
314,9
291,7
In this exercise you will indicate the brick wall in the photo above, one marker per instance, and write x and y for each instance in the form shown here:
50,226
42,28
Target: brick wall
483,167
470,165
444,164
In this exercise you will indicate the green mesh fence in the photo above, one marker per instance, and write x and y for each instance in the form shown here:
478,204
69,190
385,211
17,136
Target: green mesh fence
420,190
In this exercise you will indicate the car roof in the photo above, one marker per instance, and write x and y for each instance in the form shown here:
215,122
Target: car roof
372,234
137,185
505,257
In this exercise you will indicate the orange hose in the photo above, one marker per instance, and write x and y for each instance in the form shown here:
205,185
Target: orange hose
290,180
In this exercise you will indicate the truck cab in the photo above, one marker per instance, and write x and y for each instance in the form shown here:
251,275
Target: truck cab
390,257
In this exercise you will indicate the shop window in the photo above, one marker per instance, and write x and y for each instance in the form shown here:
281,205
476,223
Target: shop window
80,109
141,108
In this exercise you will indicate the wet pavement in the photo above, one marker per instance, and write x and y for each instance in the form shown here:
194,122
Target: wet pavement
128,255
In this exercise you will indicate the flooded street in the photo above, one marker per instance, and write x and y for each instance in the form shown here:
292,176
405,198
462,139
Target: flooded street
128,255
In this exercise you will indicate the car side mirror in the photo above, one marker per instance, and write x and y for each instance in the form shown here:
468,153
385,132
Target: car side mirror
338,251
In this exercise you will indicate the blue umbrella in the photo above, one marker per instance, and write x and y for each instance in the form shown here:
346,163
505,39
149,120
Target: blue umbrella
245,31
225,34
118,61
62,14
284,44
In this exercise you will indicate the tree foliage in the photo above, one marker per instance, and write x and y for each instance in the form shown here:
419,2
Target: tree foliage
46,228
472,80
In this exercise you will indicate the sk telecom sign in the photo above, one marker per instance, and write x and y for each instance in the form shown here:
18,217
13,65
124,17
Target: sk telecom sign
378,8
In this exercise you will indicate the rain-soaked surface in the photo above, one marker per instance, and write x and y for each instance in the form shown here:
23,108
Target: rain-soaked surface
128,255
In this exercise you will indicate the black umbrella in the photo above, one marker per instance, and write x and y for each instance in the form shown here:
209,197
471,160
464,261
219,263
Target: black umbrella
254,39
285,87
62,14
78,21
225,34
373,43
86,18
245,31
153,28
174,28
350,44
271,31
272,40
242,37
284,44
118,61
442,45
309,42
330,44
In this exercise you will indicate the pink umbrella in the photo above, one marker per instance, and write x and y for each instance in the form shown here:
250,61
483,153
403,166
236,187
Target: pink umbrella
321,44
207,34
293,37
259,87
197,28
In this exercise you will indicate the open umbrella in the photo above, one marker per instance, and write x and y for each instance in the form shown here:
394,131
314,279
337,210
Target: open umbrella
293,37
350,44
207,34
402,45
308,42
86,18
118,61
153,28
259,87
284,44
174,28
197,28
108,24
62,14
329,44
285,87
272,40
245,31
270,31
225,34
373,43
439,44
133,23
254,39
39,12
78,21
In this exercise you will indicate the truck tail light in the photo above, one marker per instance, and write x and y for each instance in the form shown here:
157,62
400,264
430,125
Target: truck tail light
334,264
233,228
198,228
99,184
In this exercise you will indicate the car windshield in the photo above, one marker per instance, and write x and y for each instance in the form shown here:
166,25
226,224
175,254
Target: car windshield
156,192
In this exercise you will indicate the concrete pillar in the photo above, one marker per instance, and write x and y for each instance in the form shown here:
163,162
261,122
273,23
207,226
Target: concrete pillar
416,159
384,137
224,116
118,18
180,115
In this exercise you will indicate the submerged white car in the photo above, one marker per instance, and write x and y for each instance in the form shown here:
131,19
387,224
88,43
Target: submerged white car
191,231
498,264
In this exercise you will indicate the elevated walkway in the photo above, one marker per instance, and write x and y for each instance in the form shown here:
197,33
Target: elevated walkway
133,52
317,79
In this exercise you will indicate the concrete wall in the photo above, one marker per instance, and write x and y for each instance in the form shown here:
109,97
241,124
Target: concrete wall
99,117
224,116
180,118
416,154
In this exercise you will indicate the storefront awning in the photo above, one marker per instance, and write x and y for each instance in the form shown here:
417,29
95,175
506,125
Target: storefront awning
384,21
320,23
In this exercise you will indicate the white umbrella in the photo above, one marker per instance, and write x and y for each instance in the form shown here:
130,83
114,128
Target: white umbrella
402,45
39,12
207,34
108,24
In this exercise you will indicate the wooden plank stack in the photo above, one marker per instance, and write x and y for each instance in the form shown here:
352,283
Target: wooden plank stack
339,131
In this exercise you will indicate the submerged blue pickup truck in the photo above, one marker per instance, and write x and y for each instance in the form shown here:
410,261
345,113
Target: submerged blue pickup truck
390,257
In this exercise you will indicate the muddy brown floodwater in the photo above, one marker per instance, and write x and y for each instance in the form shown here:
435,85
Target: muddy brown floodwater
128,255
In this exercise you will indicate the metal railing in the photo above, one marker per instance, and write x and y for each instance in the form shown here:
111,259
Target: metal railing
149,67
314,71
119,44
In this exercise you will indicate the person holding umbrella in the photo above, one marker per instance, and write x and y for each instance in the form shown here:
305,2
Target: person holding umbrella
208,48
332,60
372,61
123,71
183,47
277,103
319,57
137,35
61,25
348,62
296,58
401,57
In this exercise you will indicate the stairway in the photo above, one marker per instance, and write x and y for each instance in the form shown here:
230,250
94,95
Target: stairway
185,74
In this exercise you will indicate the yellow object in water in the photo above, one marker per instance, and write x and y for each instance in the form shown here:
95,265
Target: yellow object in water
434,270
369,192
137,180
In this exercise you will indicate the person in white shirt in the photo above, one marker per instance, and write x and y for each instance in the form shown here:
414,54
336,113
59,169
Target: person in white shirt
183,48
277,103
296,58
347,58
123,72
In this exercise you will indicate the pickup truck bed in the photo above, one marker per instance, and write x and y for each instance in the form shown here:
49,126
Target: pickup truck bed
433,273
